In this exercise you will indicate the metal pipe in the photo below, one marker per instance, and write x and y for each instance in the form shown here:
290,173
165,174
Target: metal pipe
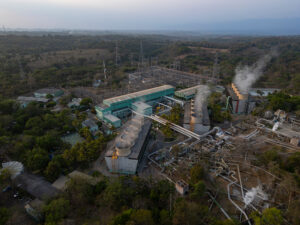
229,197
221,208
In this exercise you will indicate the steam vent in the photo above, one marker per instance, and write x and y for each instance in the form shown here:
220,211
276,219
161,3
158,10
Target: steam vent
241,103
126,151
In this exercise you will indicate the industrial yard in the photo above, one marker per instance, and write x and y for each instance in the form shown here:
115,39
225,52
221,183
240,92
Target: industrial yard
174,140
237,184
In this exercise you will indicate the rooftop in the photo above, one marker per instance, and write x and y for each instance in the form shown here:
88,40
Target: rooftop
141,105
112,118
137,147
47,90
189,91
36,186
32,99
89,123
136,94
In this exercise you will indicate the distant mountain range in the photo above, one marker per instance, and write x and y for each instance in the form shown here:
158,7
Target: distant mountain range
287,26
290,26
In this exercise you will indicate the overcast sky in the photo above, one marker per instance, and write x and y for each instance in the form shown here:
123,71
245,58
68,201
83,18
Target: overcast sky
139,14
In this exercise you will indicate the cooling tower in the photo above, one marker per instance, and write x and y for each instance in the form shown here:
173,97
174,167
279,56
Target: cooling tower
127,139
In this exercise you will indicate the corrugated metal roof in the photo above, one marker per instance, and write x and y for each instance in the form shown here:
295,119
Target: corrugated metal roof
137,94
32,99
188,91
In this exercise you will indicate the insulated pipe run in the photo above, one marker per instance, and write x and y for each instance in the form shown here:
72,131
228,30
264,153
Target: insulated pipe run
181,143
229,197
221,208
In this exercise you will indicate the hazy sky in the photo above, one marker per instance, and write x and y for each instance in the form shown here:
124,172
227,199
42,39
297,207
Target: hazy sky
138,14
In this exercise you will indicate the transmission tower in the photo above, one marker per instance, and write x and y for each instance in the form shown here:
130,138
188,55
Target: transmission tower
104,70
131,59
141,58
117,56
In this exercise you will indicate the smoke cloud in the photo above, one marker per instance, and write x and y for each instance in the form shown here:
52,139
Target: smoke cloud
246,76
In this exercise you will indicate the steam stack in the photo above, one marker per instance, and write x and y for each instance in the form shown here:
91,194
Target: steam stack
239,100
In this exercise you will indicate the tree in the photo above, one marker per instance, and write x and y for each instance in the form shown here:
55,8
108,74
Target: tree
64,100
115,195
53,170
227,222
4,177
270,216
122,218
190,213
56,210
4,215
270,156
86,102
165,218
199,189
141,217
160,193
37,159
196,173
50,141
166,129
8,106
86,133
80,192
292,162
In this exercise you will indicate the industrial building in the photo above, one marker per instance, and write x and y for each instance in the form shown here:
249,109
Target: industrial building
125,153
91,125
244,103
42,93
187,93
24,100
113,109
196,121
240,102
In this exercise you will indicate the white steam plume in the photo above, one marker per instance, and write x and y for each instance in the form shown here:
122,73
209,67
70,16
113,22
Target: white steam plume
201,97
246,76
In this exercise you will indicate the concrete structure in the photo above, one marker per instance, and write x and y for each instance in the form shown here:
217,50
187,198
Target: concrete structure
182,187
241,102
48,91
142,108
97,83
264,92
187,93
198,123
35,209
93,127
280,115
295,141
121,106
125,154
112,120
75,103
244,103
62,182
24,101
